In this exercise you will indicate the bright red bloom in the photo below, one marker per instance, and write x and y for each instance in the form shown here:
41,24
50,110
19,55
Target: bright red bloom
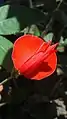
33,57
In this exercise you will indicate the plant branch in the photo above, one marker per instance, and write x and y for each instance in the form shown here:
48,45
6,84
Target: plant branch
30,3
9,78
4,81
47,27
55,87
58,6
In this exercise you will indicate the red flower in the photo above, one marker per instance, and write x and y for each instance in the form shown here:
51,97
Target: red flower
33,57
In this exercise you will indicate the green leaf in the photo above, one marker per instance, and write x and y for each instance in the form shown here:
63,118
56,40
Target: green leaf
14,18
61,42
3,12
48,37
34,30
65,42
5,53
60,48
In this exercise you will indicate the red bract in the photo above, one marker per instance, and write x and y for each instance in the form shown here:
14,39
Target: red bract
33,57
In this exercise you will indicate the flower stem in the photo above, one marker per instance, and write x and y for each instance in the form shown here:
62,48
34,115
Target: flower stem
4,81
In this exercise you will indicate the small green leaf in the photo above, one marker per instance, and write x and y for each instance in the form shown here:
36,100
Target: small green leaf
25,31
34,30
48,37
65,42
60,48
61,41
5,53
14,18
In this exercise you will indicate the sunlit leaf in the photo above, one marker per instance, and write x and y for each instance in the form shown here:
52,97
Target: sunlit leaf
60,48
34,30
48,37
5,53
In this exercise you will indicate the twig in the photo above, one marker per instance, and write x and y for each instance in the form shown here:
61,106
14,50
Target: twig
7,79
46,28
55,87
49,23
15,83
58,5
2,104
30,3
